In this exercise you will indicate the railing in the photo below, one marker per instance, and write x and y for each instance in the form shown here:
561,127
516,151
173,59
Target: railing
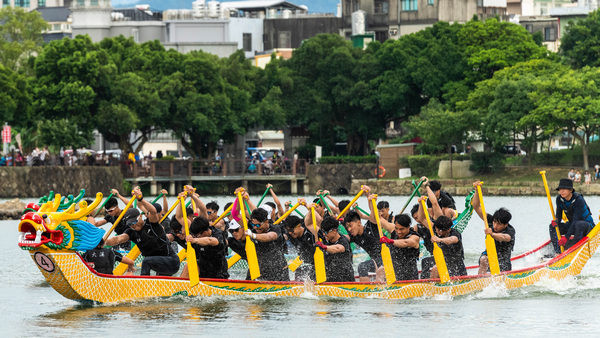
227,167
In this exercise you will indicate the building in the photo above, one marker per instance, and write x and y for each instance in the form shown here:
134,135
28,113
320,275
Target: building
33,4
547,26
59,22
394,18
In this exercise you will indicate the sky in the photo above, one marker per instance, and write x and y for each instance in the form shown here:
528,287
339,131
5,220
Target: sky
314,6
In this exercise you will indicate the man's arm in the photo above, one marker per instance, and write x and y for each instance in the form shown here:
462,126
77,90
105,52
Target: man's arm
116,193
204,241
437,211
116,240
276,200
410,242
147,208
165,206
475,200
389,227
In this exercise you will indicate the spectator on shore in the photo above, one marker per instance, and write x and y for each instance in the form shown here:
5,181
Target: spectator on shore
3,161
61,156
577,177
596,172
571,174
19,158
588,177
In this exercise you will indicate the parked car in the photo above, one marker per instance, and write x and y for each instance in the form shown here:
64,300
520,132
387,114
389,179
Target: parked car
513,150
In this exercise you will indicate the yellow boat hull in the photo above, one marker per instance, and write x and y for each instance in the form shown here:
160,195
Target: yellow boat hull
71,277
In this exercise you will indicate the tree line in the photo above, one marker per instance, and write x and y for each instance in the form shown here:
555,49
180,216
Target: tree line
447,84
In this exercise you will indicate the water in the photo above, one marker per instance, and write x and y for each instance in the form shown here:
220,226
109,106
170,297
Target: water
31,307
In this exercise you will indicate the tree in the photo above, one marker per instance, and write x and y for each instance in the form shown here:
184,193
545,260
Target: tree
20,35
15,99
502,101
579,45
440,127
568,101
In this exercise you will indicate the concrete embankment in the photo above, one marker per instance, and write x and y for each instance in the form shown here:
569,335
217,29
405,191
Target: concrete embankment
463,187
34,182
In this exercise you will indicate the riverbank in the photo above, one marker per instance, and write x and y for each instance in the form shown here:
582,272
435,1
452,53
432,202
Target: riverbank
516,181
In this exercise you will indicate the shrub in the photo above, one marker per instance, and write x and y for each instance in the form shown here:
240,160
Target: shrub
347,159
166,158
306,152
487,162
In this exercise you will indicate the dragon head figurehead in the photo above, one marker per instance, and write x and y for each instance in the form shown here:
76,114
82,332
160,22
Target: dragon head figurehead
53,228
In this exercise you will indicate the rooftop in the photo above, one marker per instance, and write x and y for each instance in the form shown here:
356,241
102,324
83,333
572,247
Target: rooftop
260,4
54,14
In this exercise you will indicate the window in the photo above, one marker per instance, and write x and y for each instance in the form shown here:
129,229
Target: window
431,2
409,5
549,34
41,3
529,27
382,6
355,5
93,2
284,39
22,3
5,3
56,27
247,42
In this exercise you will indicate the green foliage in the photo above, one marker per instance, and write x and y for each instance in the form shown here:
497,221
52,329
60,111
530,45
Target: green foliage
62,132
20,36
487,162
440,127
166,158
348,159
579,45
306,152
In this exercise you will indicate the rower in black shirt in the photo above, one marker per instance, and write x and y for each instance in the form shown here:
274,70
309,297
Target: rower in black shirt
444,199
269,243
112,211
151,239
103,259
450,242
404,248
338,254
501,231
304,242
423,231
208,242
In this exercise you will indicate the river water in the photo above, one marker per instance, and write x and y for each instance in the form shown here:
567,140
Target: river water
30,307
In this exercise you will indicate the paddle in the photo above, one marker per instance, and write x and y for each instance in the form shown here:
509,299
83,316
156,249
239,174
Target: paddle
325,204
414,185
490,243
232,260
361,210
438,255
250,247
351,203
543,173
287,213
411,196
133,198
386,256
263,196
224,214
319,256
102,206
135,251
192,264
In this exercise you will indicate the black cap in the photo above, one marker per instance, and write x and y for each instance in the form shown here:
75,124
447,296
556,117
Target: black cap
131,217
565,183
157,207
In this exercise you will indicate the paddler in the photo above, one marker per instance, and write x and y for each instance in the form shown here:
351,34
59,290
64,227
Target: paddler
448,239
579,217
404,247
209,244
150,237
444,199
501,231
270,243
338,253
304,242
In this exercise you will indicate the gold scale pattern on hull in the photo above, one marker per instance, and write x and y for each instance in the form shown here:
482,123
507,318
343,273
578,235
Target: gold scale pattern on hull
68,274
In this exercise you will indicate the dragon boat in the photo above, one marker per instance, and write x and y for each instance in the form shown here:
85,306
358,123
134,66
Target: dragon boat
55,234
